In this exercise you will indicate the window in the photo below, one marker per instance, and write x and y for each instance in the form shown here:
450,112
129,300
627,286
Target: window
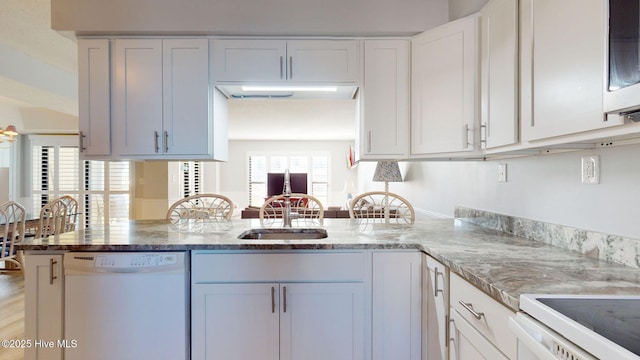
191,178
315,165
101,187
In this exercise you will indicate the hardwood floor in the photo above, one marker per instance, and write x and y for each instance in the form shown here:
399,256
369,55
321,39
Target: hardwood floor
11,313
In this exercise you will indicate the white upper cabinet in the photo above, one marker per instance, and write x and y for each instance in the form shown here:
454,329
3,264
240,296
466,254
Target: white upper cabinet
185,105
162,101
299,61
499,73
444,81
94,99
384,100
138,96
562,68
323,61
249,60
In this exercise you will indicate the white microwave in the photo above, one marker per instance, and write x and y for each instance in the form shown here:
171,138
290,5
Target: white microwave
622,74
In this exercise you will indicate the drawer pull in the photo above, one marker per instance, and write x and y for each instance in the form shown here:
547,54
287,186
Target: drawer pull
469,308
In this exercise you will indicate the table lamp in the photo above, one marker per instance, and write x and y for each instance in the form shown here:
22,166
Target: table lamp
387,171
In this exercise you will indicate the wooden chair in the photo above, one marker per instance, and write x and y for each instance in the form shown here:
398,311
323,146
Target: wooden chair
12,217
382,206
201,207
52,219
306,210
72,212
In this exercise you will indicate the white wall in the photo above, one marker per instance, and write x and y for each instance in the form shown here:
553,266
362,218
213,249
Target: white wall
546,188
233,174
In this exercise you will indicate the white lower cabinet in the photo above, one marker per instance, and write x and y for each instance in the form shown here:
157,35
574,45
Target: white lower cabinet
479,325
44,295
278,306
279,321
397,306
435,309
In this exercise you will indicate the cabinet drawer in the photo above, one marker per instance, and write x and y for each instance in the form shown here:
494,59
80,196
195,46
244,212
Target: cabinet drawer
208,267
494,317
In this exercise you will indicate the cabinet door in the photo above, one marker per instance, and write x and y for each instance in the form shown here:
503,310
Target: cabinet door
138,96
443,88
322,61
499,72
437,309
235,321
468,343
94,99
249,60
384,116
562,67
322,321
397,306
44,289
186,117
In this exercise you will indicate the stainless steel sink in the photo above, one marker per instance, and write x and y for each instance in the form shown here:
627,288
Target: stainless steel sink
284,234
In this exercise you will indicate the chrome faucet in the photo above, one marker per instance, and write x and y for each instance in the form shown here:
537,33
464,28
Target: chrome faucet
286,192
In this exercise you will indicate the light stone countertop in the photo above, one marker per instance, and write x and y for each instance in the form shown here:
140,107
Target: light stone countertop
502,265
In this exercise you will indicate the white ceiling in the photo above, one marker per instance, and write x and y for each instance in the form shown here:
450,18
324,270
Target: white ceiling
39,65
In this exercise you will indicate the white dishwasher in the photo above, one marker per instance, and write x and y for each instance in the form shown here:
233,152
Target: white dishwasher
130,305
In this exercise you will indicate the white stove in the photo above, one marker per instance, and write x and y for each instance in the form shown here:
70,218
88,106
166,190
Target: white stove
578,327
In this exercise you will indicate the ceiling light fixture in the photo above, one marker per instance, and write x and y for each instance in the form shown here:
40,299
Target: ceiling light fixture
10,132
288,88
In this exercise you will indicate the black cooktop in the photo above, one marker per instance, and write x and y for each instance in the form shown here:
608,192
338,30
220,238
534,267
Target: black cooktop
616,319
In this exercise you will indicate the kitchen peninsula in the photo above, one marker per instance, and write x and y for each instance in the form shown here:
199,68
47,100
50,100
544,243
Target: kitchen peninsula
499,265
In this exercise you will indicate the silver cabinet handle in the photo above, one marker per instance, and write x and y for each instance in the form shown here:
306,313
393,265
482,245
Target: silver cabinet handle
369,141
281,67
465,136
290,67
469,308
484,131
435,285
51,276
155,141
82,136
166,141
449,332
284,302
273,300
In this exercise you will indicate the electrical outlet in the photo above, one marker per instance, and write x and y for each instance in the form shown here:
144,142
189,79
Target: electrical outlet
502,172
591,169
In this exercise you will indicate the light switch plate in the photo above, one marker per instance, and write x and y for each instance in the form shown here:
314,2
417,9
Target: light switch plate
591,169
502,172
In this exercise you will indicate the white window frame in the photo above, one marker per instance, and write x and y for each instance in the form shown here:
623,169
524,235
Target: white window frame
191,178
310,183
70,141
